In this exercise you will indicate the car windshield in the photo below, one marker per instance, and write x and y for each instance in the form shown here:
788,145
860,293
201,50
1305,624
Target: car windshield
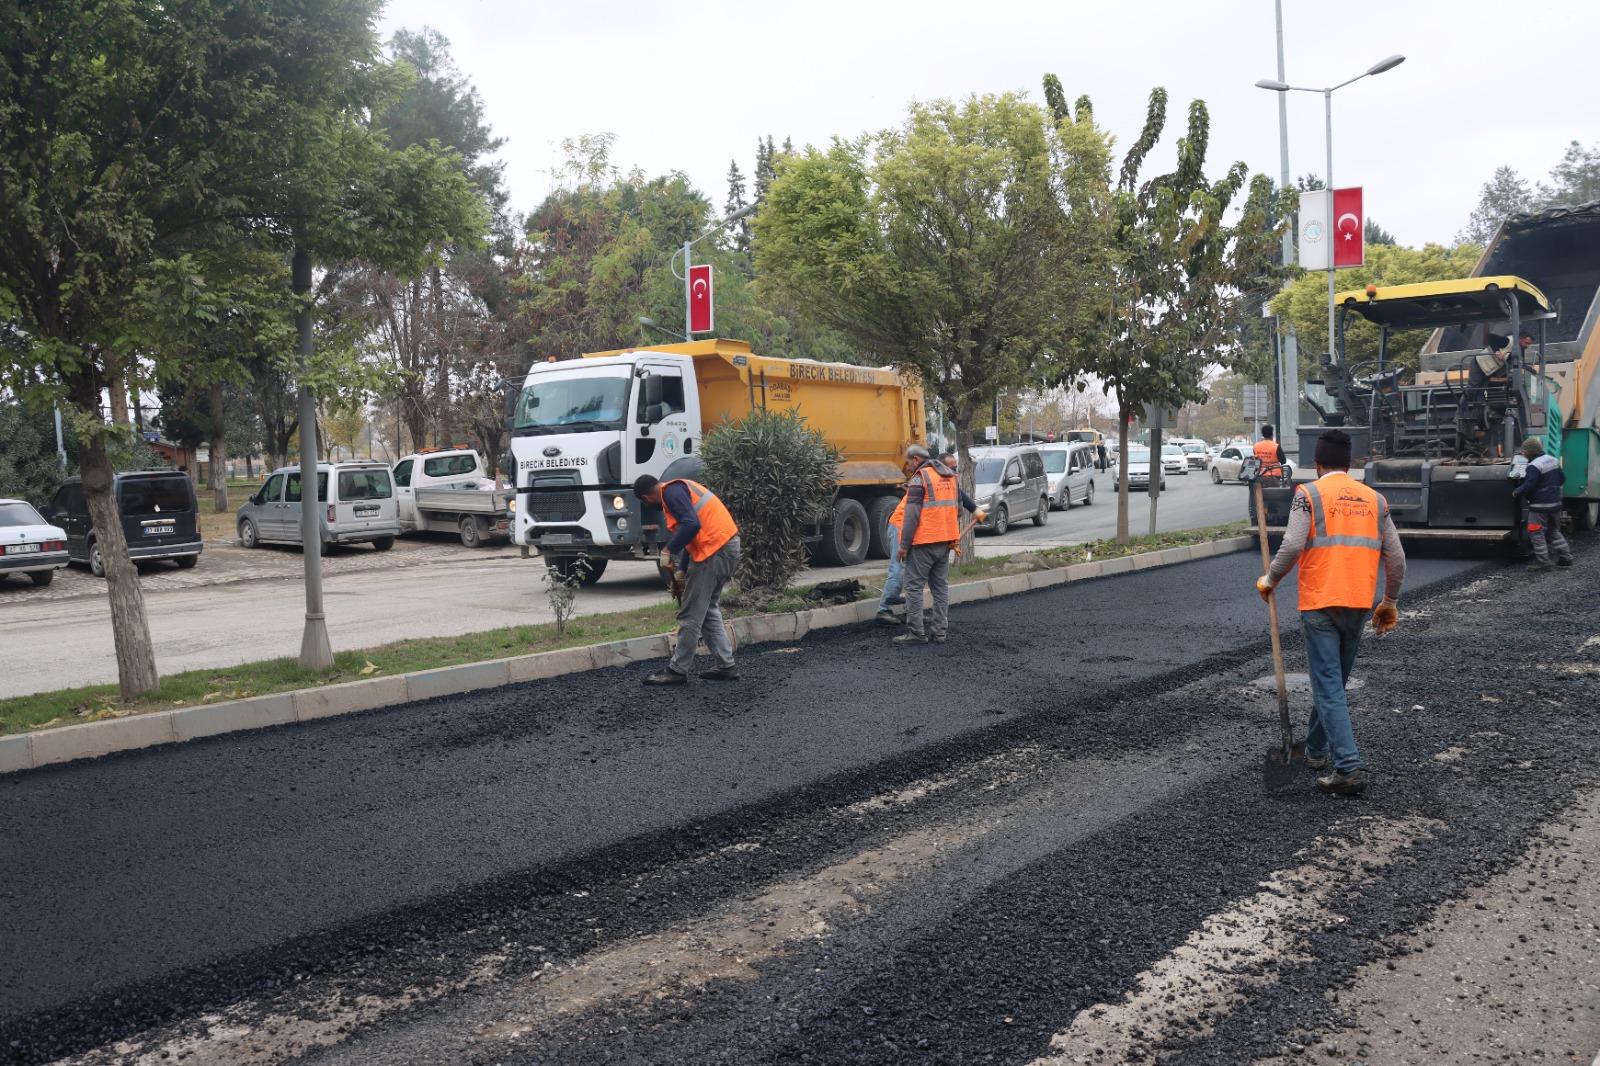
1055,462
362,484
556,401
1138,455
19,514
1169,450
153,495
1194,449
987,472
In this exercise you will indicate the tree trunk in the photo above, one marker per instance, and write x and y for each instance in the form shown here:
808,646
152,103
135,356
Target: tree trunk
219,446
965,473
1157,467
119,402
442,353
1122,472
130,631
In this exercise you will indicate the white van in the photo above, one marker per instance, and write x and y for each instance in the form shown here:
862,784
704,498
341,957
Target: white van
356,501
1070,468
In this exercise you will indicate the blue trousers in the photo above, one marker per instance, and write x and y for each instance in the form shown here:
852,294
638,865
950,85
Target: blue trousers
1333,635
894,582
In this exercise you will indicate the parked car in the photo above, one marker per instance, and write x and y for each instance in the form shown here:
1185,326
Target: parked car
1070,470
1010,482
1225,467
450,491
360,508
1173,461
1138,471
160,518
28,544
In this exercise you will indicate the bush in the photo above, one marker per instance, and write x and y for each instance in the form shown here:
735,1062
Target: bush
776,475
30,468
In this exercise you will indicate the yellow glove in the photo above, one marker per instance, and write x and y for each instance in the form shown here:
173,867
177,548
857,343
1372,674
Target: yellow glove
1264,586
1385,616
667,561
980,516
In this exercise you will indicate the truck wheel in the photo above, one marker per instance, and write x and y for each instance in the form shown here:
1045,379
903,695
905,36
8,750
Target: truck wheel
474,531
1585,515
878,522
382,544
566,566
845,538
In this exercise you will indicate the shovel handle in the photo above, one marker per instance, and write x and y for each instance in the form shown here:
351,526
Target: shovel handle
1272,619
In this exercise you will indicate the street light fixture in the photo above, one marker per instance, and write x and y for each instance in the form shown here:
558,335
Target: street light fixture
651,323
743,212
1327,98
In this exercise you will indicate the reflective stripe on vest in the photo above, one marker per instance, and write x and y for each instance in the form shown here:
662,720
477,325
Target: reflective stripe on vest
1267,452
716,524
940,522
1339,567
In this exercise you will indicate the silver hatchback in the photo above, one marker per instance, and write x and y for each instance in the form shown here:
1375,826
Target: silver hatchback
360,508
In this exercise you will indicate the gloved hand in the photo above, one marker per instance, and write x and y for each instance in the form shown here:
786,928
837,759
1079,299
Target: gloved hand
1265,586
980,516
667,561
1385,616
903,554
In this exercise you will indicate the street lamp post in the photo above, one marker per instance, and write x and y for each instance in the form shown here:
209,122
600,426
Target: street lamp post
688,326
1327,100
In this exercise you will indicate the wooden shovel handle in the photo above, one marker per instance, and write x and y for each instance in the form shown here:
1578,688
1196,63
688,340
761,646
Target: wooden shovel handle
1272,610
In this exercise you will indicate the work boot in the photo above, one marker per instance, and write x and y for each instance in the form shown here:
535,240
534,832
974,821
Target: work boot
939,638
888,618
1565,560
666,676
897,601
721,673
1539,566
1318,762
1344,782
911,637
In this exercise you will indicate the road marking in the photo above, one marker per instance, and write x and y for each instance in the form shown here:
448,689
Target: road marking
1234,951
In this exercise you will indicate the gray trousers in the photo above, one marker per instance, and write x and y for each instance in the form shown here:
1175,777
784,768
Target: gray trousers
928,566
1545,526
700,612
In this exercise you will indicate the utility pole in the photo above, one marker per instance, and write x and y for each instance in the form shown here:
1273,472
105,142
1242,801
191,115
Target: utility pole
1288,394
315,651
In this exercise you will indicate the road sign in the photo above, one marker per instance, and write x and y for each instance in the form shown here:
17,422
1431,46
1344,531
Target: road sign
991,433
1257,404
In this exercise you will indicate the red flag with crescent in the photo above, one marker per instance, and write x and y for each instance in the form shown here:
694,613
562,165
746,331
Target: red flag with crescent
700,299
1349,229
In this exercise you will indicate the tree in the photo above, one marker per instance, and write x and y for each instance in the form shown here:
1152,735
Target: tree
129,144
1305,300
1178,277
736,203
30,468
1372,233
948,247
1504,194
1574,180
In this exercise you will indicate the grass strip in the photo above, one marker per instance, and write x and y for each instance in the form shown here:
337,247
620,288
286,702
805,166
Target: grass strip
191,688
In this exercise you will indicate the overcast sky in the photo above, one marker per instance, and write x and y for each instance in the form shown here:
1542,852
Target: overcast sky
691,85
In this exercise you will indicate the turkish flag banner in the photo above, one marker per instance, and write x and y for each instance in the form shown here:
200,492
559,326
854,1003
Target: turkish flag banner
700,299
1349,226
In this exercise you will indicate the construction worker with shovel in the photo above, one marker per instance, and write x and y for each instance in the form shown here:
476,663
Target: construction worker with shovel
705,548
930,527
1339,531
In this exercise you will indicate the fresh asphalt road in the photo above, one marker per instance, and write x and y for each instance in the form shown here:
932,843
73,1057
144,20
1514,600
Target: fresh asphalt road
55,639
154,882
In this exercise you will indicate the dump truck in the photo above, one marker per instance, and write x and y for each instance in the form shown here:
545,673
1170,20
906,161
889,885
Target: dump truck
1441,442
583,429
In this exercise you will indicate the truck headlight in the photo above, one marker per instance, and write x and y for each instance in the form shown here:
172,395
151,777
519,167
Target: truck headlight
618,503
512,506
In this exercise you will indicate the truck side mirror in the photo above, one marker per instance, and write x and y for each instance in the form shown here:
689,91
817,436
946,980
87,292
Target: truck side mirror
654,413
652,395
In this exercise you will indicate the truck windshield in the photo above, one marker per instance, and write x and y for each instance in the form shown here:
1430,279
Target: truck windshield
558,402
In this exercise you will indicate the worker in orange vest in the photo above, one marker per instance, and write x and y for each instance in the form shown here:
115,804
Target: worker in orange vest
705,546
1339,532
1270,452
894,582
930,527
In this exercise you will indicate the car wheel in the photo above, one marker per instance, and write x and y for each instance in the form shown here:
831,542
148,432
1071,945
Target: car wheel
97,562
1002,520
382,544
41,578
1216,477
186,562
1088,494
249,537
471,531
1042,515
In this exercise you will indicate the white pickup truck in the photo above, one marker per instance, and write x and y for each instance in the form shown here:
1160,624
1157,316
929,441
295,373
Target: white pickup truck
451,491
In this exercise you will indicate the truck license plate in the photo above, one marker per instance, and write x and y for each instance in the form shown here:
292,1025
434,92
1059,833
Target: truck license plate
158,531
556,538
21,549
366,512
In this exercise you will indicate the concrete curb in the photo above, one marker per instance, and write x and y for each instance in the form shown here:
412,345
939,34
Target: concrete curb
43,748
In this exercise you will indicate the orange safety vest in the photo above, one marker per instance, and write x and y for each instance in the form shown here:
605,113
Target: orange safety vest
897,516
1339,567
1267,452
716,524
941,509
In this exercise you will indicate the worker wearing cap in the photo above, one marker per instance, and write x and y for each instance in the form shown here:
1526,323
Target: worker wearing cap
930,527
1541,491
705,546
1270,452
1339,532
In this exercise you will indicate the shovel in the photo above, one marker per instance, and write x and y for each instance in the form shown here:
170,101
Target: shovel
1278,771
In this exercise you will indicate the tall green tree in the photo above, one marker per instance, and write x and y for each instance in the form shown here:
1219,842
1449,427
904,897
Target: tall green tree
947,246
130,139
1503,194
1183,267
1574,180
